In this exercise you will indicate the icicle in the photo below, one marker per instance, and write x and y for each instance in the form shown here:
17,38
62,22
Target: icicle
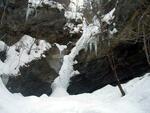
28,12
84,24
61,48
95,47
91,47
96,21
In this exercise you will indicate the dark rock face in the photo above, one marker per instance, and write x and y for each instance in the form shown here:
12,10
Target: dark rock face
34,80
12,19
125,10
2,55
65,2
130,61
47,23
28,86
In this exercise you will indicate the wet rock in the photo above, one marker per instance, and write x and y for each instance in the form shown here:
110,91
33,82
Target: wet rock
35,79
47,23
2,56
130,61
55,58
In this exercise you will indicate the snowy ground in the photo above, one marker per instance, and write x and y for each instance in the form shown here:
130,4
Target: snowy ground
21,53
105,100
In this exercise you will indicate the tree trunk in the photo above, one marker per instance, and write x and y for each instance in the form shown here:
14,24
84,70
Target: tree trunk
113,67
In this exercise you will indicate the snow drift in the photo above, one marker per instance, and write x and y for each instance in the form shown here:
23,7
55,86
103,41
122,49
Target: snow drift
105,100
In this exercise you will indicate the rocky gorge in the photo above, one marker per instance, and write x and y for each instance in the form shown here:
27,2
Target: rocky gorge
129,46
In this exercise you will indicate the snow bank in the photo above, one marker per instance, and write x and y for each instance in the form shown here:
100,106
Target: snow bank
21,53
105,100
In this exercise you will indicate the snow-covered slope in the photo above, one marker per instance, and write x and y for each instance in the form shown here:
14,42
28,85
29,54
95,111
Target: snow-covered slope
21,53
105,100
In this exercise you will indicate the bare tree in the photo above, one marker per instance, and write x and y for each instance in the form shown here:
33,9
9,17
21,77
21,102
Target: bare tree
113,67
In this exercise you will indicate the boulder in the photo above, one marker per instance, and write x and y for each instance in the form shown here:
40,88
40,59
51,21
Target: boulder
35,79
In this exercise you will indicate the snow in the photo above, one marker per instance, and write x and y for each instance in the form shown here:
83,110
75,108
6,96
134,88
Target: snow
113,31
109,16
73,15
75,10
66,72
21,53
2,46
105,100
61,47
51,3
76,4
33,4
73,28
